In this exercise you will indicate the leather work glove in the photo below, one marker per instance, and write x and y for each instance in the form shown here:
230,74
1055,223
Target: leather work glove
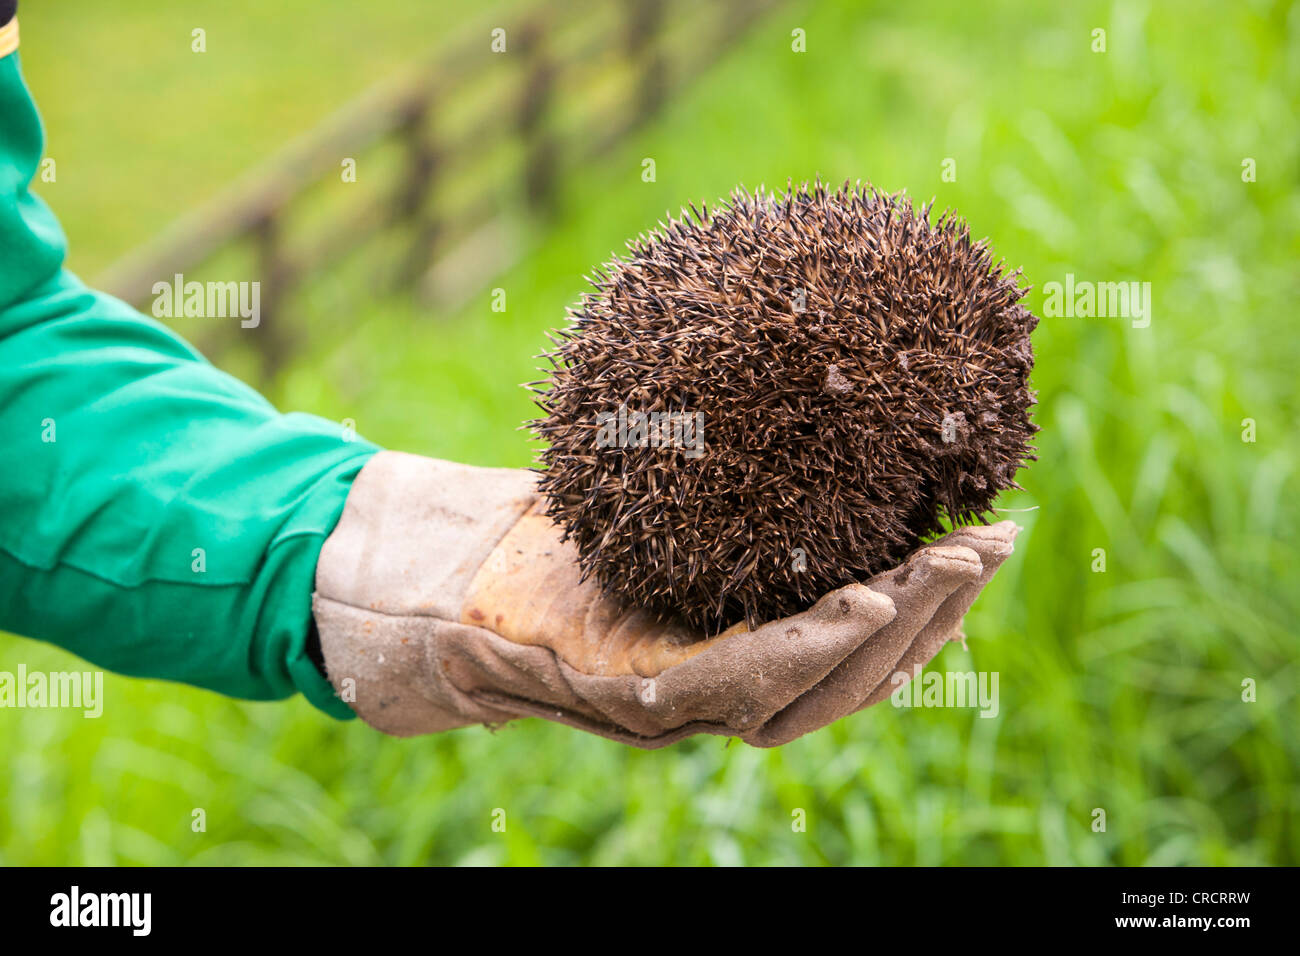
445,598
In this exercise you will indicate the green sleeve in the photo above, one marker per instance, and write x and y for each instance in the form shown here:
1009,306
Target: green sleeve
157,517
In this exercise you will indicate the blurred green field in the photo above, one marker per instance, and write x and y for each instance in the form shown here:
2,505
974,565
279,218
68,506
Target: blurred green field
1120,690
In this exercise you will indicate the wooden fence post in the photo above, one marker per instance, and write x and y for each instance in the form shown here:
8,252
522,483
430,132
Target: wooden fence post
644,20
540,160
412,202
275,276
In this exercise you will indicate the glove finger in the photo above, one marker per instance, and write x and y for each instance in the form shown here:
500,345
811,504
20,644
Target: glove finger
521,679
917,588
741,680
993,543
380,664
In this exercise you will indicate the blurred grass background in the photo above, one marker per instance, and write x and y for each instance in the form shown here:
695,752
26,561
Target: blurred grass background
1120,690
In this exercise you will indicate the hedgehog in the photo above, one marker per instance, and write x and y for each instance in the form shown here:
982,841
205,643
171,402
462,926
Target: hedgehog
786,393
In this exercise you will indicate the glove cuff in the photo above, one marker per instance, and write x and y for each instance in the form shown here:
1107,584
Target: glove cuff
415,530
413,533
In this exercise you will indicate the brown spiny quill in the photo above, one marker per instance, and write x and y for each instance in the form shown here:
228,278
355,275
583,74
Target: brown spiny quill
862,376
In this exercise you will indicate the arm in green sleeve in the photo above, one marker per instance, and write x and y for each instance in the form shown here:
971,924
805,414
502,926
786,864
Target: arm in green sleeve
157,517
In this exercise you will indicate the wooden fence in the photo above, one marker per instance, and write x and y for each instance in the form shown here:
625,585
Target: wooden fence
479,135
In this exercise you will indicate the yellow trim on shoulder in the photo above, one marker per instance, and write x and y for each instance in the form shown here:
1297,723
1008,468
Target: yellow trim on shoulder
8,38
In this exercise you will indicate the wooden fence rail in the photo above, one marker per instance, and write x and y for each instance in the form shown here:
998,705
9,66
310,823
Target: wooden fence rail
538,103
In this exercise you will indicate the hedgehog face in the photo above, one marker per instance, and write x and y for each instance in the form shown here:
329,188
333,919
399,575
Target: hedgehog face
855,376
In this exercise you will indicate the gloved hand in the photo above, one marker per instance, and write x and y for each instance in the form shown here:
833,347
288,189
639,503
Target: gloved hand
445,597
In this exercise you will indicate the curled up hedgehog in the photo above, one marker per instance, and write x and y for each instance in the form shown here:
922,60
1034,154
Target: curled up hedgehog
770,399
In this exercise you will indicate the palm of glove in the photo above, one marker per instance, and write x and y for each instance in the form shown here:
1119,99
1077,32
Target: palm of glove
446,598
654,683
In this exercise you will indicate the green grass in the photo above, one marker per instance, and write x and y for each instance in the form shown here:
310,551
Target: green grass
1119,690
